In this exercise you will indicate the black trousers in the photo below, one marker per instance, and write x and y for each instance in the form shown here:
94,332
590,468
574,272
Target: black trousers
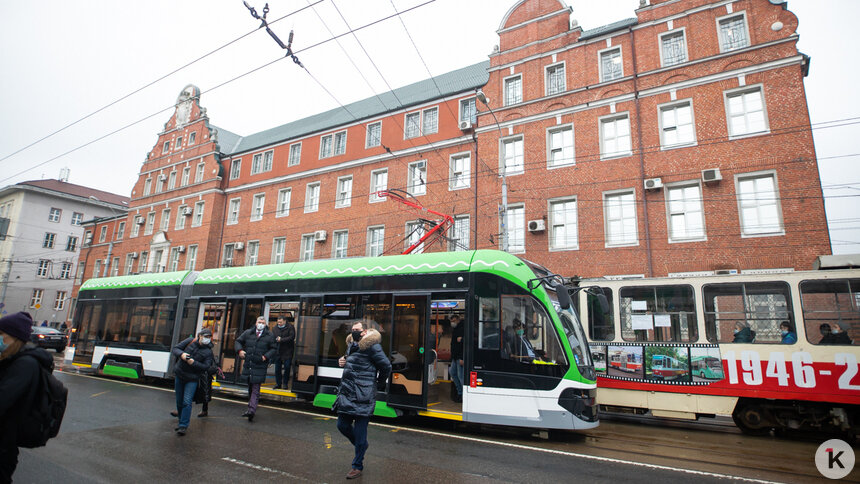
8,463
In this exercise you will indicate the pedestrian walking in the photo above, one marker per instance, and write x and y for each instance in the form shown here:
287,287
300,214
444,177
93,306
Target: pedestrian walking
19,382
365,367
257,347
194,357
285,338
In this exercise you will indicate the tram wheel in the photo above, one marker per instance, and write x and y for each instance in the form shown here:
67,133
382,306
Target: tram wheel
751,419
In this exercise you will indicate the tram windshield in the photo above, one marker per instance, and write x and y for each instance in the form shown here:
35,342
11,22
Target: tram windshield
575,336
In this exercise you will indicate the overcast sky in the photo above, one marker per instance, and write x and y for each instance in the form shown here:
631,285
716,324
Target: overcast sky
63,59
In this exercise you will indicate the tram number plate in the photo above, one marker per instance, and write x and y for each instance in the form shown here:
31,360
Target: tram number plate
803,370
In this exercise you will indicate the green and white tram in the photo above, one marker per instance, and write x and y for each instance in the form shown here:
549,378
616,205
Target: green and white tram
125,326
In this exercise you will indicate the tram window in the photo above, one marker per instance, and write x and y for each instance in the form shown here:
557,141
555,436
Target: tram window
601,326
831,311
658,313
189,322
758,306
528,335
339,314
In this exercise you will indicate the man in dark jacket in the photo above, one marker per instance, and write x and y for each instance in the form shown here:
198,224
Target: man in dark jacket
457,356
193,358
257,347
285,338
19,380
365,367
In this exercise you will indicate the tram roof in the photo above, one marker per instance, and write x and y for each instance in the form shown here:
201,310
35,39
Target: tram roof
140,280
492,261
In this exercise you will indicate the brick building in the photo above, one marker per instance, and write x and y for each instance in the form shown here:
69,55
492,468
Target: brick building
677,141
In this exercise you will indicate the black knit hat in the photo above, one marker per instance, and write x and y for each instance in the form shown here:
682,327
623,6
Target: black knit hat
18,325
205,331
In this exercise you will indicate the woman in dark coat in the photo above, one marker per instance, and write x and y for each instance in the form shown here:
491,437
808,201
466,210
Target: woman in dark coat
257,347
193,358
365,367
19,379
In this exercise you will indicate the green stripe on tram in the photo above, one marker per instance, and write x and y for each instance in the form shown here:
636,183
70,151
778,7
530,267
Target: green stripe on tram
326,400
493,261
120,371
141,280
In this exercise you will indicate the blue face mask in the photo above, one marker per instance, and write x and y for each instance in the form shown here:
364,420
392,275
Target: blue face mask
784,332
3,345
520,332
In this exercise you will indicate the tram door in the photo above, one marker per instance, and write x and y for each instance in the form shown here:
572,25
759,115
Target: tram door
409,351
88,322
306,357
241,315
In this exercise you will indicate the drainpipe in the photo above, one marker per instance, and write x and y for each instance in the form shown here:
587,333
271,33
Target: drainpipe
475,141
641,156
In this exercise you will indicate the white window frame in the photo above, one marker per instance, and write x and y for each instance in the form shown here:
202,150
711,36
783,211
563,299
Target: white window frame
745,231
165,147
458,232
615,117
150,224
503,152
120,231
416,185
165,220
720,19
177,145
406,133
512,229
371,249
191,257
66,270
369,141
258,207
741,91
674,105
147,187
229,255
422,128
200,173
129,264
48,241
252,252
72,243
285,196
262,162
173,262
315,206
77,218
515,77
143,261
326,141
278,255
549,147
55,214
135,227
465,173
413,232
180,218
551,222
343,196
103,234
337,246
235,168
192,138
36,298
671,211
60,301
186,176
159,183
233,207
334,149
606,221
295,157
197,217
306,249
474,117
43,268
546,77
669,33
171,180
376,188
608,50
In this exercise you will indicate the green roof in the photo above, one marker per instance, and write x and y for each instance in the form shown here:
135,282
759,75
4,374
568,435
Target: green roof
494,261
141,280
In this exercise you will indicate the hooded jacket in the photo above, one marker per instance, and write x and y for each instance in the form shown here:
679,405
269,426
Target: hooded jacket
366,366
743,336
19,381
200,353
255,349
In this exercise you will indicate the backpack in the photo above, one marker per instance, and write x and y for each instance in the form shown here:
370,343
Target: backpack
43,420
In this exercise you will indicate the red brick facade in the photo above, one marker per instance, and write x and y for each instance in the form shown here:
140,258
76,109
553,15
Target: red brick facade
740,110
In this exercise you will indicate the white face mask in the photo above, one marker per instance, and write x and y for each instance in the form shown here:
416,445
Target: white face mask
260,326
205,341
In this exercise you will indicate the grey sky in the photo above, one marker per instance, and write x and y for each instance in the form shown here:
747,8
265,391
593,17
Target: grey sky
64,59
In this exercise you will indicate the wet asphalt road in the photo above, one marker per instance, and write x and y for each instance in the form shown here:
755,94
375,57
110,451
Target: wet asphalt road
119,432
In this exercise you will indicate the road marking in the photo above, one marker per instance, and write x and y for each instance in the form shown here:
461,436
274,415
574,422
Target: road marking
262,468
100,393
475,439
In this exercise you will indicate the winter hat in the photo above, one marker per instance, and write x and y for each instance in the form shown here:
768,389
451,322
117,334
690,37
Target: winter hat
18,325
205,332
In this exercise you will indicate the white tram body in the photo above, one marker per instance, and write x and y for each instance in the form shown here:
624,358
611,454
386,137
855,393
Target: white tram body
764,383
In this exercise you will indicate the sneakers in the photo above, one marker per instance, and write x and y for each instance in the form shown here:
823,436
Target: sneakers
353,473
181,431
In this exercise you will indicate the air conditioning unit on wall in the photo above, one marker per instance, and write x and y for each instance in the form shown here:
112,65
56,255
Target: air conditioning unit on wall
187,211
239,246
537,225
320,235
711,175
180,248
465,125
133,255
653,184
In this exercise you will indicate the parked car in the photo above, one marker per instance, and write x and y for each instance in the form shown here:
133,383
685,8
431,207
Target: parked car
46,337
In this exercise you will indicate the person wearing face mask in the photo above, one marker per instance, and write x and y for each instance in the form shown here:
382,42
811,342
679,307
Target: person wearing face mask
522,348
742,333
285,338
257,347
365,368
19,380
789,337
193,358
457,357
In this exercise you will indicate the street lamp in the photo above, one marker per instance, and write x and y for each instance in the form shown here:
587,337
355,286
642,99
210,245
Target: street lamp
503,211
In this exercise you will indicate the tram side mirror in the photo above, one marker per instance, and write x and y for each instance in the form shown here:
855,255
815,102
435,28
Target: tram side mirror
604,303
563,296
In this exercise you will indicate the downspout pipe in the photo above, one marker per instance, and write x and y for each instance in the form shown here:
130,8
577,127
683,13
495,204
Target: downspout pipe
641,150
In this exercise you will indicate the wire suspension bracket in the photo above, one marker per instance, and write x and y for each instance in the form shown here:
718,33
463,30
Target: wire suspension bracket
263,23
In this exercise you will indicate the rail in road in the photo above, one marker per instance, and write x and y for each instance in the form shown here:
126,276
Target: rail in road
119,431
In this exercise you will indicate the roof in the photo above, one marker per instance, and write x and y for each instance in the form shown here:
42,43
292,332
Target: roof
460,80
142,280
621,24
78,191
227,140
